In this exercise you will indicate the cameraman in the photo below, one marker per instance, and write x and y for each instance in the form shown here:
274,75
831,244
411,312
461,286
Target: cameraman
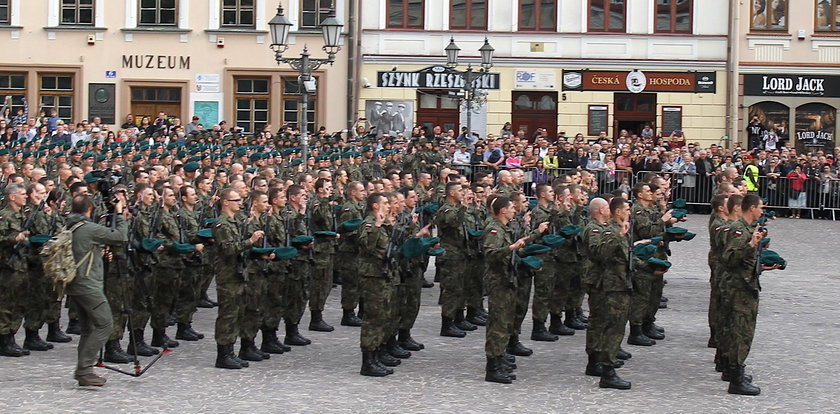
87,289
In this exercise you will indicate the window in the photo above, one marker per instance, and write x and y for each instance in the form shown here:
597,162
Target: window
468,15
156,94
251,98
827,15
607,16
238,13
768,15
158,13
77,12
56,91
14,85
313,12
5,11
405,14
673,16
291,105
538,15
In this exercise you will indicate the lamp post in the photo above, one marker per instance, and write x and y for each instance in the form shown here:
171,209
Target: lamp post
280,25
469,74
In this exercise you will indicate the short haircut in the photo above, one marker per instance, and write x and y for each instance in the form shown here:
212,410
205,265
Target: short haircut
81,204
294,190
450,185
734,201
638,188
498,203
372,199
319,183
750,200
617,203
718,201
542,189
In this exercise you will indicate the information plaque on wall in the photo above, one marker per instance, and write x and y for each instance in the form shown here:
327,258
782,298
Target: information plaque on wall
671,119
102,102
598,119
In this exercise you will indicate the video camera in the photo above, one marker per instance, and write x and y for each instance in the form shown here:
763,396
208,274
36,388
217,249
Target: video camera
108,178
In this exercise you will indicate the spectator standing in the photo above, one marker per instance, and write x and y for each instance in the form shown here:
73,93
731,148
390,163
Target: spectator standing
796,199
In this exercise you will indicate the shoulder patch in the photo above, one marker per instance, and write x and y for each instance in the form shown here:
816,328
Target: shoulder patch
316,204
493,232
607,233
347,209
368,225
738,233
596,231
218,225
726,230
639,213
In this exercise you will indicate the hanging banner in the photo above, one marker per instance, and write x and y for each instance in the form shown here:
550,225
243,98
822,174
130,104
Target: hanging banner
435,77
637,81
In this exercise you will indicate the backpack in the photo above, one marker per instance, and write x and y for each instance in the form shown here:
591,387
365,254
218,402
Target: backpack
59,264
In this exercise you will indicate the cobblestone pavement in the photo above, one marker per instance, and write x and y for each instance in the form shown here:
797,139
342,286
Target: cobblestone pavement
792,359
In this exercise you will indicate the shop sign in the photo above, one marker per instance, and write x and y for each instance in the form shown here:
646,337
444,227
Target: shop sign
792,85
435,77
155,62
638,81
535,79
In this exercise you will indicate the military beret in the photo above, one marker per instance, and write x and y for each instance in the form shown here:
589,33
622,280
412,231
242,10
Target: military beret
4,151
38,239
570,230
349,225
260,251
285,253
679,213
680,203
644,251
436,252
182,248
87,155
475,233
325,234
658,263
301,240
151,245
137,157
191,166
100,158
89,178
554,241
771,258
205,233
533,262
295,162
535,249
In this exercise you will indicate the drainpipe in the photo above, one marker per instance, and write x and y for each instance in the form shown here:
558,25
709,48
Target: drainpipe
732,75
352,65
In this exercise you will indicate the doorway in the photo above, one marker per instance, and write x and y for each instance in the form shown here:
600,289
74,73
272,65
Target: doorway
149,101
437,108
533,110
633,111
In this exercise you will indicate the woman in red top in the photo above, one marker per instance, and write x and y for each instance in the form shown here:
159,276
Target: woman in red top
797,199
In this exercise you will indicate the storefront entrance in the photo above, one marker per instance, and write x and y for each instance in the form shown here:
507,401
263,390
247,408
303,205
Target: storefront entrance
633,111
437,108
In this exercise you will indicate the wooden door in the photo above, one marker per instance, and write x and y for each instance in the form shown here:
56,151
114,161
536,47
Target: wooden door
532,110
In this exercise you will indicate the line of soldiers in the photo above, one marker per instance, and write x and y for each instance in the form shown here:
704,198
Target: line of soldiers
273,236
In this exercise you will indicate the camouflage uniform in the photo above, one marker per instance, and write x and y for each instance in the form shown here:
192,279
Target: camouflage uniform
609,288
450,222
647,286
574,299
40,298
13,271
297,281
255,286
739,288
322,271
715,230
167,274
544,280
501,287
569,267
376,285
410,280
231,278
273,304
474,282
348,253
191,276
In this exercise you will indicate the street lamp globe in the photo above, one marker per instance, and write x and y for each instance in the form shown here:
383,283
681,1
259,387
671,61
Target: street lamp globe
331,29
279,26
452,51
486,54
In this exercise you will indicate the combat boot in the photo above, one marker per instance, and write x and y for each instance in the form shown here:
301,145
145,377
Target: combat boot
378,362
509,358
160,339
649,331
492,373
33,341
516,348
558,328
55,334
242,363
13,344
713,343
538,333
370,368
482,312
114,353
609,379
657,327
205,302
395,350
407,342
172,319
248,352
138,346
448,328
622,354
73,327
6,348
740,385
427,284
581,316
385,358
638,338
462,323
270,343
572,321
224,359
474,318
593,367
293,336
316,323
90,380
350,319
726,374
185,333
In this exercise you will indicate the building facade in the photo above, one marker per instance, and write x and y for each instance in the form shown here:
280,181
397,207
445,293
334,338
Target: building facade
210,58
574,66
789,69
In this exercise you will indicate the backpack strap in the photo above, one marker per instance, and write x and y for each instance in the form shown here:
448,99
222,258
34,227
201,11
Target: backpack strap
77,225
89,255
